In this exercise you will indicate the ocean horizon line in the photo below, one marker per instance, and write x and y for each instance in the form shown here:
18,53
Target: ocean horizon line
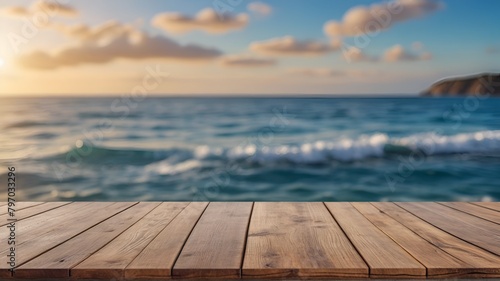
232,96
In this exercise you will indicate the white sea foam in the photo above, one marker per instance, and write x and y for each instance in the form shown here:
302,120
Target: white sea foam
205,151
348,150
316,152
166,168
433,144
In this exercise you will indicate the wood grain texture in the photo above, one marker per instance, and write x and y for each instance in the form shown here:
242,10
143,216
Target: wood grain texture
19,206
439,264
157,259
485,263
385,258
33,226
35,238
198,240
110,261
472,229
29,229
478,211
216,245
489,205
298,240
26,204
56,263
33,211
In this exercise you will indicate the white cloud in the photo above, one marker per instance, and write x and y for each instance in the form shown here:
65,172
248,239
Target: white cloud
55,7
15,11
396,53
289,46
133,46
94,34
246,61
354,54
260,8
206,20
364,20
47,8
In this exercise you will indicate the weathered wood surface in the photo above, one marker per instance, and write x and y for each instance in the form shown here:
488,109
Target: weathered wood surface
477,231
167,245
438,262
56,263
221,240
490,205
484,213
385,257
298,240
216,245
110,261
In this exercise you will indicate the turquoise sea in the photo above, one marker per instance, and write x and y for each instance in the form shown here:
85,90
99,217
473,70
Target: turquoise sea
261,149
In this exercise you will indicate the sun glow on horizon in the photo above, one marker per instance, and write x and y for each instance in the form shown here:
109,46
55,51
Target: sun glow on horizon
81,49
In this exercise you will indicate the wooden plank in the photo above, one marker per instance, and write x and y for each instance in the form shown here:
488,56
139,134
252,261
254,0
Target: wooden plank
157,259
490,205
34,227
40,223
111,261
385,258
439,264
19,206
486,263
472,229
215,247
35,240
290,240
285,240
24,204
33,211
57,262
28,228
475,210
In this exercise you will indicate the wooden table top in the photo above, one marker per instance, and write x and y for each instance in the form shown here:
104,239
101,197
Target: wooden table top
261,240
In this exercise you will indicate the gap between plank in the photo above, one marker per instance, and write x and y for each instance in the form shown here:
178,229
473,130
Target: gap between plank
115,236
246,240
158,232
75,235
349,239
397,206
20,219
475,203
480,247
187,238
426,269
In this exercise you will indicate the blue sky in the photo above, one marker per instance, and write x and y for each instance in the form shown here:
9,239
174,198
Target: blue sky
437,39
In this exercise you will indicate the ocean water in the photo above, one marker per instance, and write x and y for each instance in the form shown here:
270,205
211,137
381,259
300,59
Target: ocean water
262,149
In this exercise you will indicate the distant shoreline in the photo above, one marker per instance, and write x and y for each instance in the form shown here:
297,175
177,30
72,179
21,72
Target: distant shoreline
477,84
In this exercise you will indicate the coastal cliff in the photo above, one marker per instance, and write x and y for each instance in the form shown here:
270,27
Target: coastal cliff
486,83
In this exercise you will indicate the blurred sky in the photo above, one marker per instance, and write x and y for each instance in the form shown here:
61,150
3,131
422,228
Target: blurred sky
243,47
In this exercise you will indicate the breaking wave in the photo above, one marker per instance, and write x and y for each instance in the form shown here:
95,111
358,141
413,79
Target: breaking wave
343,150
374,146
